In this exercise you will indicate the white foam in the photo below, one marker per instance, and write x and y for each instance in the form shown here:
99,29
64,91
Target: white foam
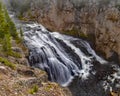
38,40
85,67
43,39
36,25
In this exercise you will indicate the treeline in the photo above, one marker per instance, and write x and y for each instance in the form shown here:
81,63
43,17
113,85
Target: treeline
23,6
19,6
7,31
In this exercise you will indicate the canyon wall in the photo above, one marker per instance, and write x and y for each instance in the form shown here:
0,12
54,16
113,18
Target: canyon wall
96,20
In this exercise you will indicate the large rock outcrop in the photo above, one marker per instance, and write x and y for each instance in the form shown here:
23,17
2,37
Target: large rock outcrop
98,20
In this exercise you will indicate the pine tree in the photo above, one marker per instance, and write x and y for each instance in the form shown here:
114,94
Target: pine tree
7,44
12,28
5,35
2,22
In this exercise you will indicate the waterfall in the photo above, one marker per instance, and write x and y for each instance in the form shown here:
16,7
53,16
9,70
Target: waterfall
62,57
65,57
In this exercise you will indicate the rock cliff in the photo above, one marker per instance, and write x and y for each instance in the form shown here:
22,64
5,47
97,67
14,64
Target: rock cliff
98,20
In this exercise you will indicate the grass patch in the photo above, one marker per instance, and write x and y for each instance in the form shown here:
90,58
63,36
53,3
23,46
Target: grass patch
14,54
75,32
34,89
48,87
7,63
72,32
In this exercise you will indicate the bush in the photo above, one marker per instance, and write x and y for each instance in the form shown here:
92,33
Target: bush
75,32
7,63
34,89
6,44
14,54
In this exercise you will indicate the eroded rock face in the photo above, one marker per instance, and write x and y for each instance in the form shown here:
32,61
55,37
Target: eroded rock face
99,20
107,33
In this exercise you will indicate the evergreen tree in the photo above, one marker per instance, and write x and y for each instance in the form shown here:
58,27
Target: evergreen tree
3,24
12,28
7,30
7,44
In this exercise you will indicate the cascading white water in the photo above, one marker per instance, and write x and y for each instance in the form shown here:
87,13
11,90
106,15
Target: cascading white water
47,53
64,58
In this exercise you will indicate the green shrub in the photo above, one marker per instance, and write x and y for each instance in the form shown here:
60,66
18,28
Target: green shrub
19,40
34,89
21,32
7,63
76,33
6,44
14,54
